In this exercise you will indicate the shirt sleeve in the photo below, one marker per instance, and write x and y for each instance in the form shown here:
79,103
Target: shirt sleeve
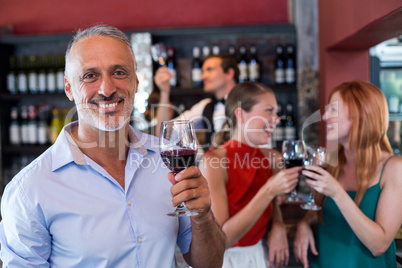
195,113
184,235
25,240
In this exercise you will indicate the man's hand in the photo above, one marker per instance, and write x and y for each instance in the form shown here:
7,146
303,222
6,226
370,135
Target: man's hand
191,187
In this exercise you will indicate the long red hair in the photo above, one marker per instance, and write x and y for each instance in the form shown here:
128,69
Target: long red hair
368,112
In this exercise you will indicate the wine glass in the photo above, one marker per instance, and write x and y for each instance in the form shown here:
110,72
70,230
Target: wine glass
293,153
315,156
159,54
178,147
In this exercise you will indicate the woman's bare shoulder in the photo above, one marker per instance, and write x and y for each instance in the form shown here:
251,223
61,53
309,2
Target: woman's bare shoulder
393,170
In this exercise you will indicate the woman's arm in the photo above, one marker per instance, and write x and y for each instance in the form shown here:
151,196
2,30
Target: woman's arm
376,235
278,248
304,238
238,225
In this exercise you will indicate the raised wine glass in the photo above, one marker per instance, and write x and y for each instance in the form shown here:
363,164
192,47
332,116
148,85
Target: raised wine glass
293,153
159,53
178,147
315,156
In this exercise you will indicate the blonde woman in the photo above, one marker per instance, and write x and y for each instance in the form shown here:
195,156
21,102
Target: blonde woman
244,180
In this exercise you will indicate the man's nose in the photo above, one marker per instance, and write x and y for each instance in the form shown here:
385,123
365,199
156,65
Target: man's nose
107,86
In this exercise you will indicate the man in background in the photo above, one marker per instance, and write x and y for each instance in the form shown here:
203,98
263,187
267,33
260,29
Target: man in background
219,75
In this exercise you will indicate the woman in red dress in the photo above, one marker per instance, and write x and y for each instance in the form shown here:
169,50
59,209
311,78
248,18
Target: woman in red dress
244,179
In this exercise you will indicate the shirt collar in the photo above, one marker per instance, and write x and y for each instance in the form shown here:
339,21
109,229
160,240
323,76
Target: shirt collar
66,150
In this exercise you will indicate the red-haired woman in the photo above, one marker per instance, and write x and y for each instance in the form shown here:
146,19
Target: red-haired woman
362,193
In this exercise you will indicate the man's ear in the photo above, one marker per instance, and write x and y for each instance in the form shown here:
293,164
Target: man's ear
231,73
137,82
67,89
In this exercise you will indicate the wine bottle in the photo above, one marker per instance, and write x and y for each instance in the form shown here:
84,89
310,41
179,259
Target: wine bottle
232,51
279,65
60,74
42,76
196,72
279,131
242,64
290,71
22,75
15,129
32,126
253,66
171,64
24,125
12,76
215,50
55,125
290,127
51,75
33,75
205,52
42,126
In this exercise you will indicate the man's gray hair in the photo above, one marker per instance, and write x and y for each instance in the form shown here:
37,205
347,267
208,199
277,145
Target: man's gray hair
97,30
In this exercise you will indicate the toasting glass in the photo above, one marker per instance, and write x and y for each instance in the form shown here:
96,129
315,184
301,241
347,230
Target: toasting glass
293,153
178,147
315,156
159,53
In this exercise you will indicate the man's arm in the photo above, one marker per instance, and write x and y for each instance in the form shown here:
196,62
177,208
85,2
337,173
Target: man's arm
25,241
163,111
208,241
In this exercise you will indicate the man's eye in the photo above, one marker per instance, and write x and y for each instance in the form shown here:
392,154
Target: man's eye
120,74
89,77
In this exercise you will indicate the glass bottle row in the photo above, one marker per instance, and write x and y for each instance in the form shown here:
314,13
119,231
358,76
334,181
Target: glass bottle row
35,125
35,74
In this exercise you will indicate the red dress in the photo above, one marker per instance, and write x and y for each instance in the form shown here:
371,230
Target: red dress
248,170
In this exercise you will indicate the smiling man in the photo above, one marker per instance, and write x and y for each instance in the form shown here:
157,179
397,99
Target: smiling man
92,199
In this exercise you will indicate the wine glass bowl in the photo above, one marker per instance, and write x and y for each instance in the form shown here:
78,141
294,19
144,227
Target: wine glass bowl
178,149
159,53
316,156
293,153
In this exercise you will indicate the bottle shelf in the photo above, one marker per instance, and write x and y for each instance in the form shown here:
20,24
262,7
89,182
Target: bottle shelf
179,91
16,97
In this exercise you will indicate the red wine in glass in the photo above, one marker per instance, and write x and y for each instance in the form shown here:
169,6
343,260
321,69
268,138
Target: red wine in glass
293,153
178,147
179,159
316,156
293,163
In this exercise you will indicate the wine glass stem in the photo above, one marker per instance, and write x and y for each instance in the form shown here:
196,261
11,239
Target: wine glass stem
293,193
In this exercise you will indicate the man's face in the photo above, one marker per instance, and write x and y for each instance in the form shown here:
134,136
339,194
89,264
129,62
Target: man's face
213,76
101,80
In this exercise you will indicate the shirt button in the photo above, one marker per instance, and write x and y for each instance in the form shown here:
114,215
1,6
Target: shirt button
139,239
129,202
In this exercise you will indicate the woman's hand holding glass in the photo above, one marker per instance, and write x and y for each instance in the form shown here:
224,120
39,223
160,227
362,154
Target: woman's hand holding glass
316,156
283,182
321,181
293,153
